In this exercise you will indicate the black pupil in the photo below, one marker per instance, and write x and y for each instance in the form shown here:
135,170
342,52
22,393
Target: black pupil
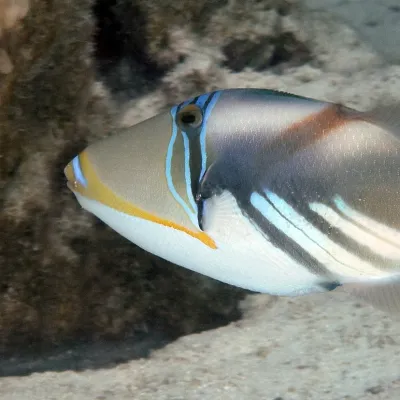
188,118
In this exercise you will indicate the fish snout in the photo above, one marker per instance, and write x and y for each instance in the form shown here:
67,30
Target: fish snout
76,173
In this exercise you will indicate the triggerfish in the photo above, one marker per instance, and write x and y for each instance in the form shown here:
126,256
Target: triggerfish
265,190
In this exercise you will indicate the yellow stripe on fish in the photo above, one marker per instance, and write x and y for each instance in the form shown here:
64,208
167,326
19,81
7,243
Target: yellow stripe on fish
96,190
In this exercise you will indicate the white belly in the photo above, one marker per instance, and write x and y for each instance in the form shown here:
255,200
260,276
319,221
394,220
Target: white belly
243,257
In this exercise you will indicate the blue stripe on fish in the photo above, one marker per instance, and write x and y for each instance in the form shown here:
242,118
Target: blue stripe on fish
304,228
363,235
298,229
201,100
207,103
203,133
287,220
78,172
342,206
168,167
263,214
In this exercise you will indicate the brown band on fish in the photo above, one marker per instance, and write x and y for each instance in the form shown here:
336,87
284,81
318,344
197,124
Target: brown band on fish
319,125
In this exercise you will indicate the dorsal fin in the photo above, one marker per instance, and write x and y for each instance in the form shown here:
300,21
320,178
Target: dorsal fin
386,116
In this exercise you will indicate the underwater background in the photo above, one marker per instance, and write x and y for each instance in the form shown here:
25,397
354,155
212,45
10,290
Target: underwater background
84,314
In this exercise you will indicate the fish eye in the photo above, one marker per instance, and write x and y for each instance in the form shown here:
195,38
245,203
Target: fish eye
189,117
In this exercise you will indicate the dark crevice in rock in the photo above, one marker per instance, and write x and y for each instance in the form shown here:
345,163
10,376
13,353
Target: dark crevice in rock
83,355
290,50
242,53
57,178
265,53
121,44
108,37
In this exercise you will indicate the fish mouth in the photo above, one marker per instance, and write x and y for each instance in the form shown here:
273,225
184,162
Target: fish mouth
69,174
76,180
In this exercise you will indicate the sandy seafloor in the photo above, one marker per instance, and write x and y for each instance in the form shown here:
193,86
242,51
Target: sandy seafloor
317,347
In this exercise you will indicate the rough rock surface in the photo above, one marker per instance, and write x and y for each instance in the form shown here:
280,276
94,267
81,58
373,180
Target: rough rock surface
375,21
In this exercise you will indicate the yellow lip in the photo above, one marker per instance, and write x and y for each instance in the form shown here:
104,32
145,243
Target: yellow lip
69,173
97,191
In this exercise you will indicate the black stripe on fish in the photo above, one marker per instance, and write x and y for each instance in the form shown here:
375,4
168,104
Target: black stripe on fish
335,234
366,229
196,156
280,239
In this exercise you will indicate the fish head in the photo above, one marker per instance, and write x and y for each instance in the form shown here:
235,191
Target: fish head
147,174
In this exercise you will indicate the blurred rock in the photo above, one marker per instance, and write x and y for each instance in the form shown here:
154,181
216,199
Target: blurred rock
199,74
64,275
143,44
139,39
